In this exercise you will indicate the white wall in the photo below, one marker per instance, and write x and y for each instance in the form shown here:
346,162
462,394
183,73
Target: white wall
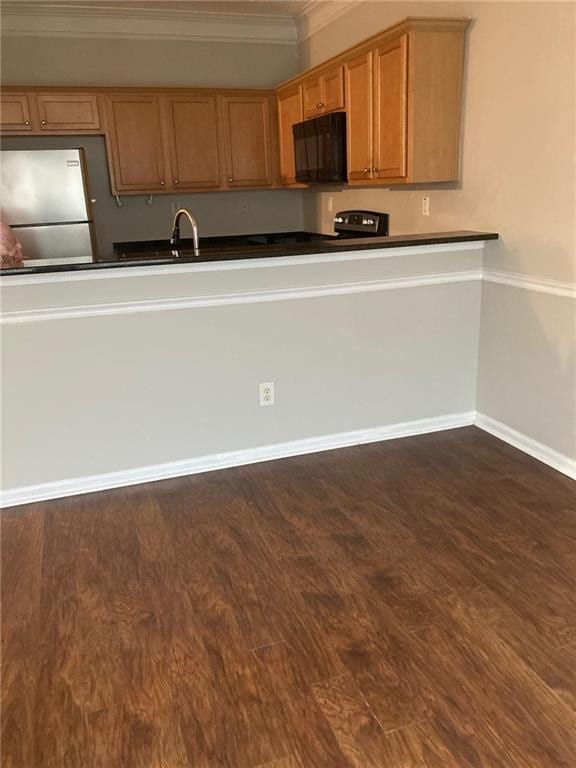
518,179
108,392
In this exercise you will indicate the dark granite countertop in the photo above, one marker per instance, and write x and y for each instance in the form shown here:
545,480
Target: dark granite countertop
158,253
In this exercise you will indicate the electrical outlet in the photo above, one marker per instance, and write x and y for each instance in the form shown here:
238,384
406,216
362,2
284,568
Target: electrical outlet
425,206
330,203
266,392
244,206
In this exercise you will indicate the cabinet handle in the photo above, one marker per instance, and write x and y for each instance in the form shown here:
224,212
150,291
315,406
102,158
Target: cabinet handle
375,170
230,178
26,122
366,170
319,105
162,182
43,122
175,181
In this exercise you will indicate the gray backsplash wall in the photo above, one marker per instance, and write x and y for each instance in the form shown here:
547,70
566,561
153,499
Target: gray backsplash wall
218,213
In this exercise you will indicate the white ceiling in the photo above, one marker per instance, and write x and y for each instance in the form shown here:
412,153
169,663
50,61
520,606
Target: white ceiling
278,21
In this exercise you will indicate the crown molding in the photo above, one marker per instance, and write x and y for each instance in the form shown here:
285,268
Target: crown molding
317,14
106,21
103,20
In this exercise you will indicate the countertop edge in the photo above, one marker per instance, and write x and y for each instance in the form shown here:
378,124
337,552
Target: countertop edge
327,251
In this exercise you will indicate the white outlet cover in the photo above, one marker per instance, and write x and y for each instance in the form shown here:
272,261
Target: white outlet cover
266,393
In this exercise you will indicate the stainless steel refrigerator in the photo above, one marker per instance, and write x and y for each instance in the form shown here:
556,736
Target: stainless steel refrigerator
44,199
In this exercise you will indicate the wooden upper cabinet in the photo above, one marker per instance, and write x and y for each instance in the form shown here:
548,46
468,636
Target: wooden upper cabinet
135,141
391,108
312,95
247,141
15,112
402,93
360,122
324,92
68,112
289,112
333,89
192,124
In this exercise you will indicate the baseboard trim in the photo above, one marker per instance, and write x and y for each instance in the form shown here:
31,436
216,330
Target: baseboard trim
75,486
537,450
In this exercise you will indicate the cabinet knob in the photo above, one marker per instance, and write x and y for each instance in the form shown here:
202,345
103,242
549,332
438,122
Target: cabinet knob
43,122
230,178
26,122
366,170
162,182
319,105
375,170
175,181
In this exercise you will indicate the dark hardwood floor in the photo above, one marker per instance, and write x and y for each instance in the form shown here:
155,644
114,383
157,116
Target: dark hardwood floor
407,604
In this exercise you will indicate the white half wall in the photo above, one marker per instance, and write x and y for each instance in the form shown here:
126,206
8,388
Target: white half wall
354,344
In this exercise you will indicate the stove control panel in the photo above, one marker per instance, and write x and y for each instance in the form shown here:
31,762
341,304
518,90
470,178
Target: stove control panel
361,223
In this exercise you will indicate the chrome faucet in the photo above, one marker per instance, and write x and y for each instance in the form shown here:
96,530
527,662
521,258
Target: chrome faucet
175,239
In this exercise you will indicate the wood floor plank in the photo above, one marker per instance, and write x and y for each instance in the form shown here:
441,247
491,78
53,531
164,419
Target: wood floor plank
21,580
78,642
19,683
417,746
298,715
232,710
407,604
482,611
357,731
291,761
501,696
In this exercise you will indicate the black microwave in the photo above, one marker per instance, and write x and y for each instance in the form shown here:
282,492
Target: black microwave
320,149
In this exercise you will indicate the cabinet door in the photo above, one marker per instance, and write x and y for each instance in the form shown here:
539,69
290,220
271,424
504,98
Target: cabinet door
246,123
194,146
313,96
289,112
391,103
360,119
15,112
333,89
136,143
68,112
